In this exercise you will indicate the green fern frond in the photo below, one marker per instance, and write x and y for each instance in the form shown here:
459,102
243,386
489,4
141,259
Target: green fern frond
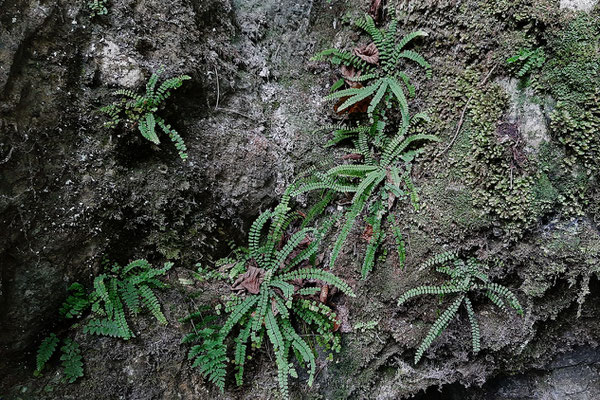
141,110
378,97
476,338
240,354
118,311
129,295
350,217
338,57
352,92
399,244
323,181
320,275
286,288
175,138
45,351
212,361
255,232
147,127
238,313
408,38
375,220
498,302
351,170
416,57
77,302
260,315
71,360
438,326
464,278
103,327
292,243
318,208
150,301
421,290
439,259
283,371
396,89
303,348
363,94
273,331
505,292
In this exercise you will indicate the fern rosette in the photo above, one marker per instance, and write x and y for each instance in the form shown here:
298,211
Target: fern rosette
465,278
275,295
378,80
141,110
380,176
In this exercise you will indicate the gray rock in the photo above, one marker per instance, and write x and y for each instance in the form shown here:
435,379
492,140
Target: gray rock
579,5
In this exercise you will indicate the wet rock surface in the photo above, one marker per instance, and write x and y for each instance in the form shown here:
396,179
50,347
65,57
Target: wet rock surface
72,191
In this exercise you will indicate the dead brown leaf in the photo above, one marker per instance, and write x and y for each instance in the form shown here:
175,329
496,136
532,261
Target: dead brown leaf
368,233
352,156
324,294
368,53
376,10
250,281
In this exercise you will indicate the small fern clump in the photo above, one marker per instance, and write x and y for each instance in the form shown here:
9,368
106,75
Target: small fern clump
278,284
122,289
386,82
141,110
382,171
119,290
465,278
77,302
70,357
98,7
45,352
527,60
71,360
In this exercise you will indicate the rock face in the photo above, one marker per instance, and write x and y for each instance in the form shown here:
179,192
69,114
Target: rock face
579,5
72,191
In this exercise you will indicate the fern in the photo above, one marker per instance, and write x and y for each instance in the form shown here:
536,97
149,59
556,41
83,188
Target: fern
209,354
399,241
130,288
141,110
150,301
45,351
438,327
271,313
77,302
103,327
377,236
527,60
98,7
384,172
71,360
70,357
383,75
465,277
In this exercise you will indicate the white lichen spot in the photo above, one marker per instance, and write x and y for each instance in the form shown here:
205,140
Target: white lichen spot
578,5
118,69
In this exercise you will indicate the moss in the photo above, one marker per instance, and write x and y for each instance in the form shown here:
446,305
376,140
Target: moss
501,188
571,76
451,206
557,187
